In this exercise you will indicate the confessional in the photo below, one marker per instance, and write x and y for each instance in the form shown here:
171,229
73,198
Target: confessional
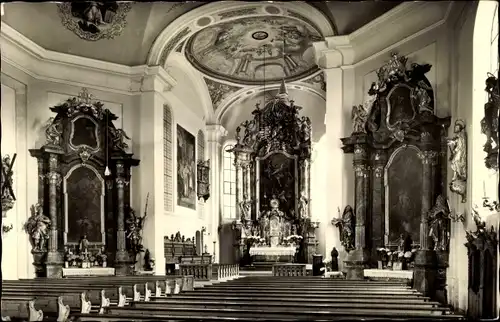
400,159
272,160
83,187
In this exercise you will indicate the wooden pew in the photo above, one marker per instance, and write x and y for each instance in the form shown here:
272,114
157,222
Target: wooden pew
79,294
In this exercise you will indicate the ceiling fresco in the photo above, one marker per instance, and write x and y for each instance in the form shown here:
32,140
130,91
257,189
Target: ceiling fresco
235,51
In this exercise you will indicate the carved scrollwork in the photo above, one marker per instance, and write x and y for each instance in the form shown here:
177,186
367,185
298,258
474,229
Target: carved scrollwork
361,170
54,178
84,154
379,171
121,183
428,157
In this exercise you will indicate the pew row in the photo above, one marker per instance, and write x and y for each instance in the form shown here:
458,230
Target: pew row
33,299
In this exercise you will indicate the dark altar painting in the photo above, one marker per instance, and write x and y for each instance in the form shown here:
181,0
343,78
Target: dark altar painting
85,201
400,105
277,180
404,195
186,167
84,132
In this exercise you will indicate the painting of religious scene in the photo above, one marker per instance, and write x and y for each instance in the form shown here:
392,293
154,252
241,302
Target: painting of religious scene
405,191
277,181
85,210
186,169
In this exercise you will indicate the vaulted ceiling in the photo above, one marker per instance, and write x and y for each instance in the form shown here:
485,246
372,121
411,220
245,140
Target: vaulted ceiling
42,23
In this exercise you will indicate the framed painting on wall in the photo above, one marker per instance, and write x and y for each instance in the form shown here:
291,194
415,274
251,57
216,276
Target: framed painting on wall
186,169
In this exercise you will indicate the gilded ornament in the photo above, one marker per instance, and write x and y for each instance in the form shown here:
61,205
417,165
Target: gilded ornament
428,157
91,20
360,170
379,171
54,178
458,158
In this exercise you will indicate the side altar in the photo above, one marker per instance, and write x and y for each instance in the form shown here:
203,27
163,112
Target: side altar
80,222
272,160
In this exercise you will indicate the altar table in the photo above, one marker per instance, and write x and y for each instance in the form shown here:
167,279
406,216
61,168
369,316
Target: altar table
273,251
93,271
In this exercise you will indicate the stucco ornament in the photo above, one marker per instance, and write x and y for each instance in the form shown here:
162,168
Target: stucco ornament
93,20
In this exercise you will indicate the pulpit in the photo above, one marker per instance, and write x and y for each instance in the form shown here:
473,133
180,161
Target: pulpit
83,189
272,159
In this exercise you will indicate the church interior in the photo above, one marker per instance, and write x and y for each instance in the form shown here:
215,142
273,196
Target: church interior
249,161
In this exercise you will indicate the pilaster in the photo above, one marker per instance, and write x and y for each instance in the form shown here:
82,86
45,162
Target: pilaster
54,257
150,177
334,57
215,134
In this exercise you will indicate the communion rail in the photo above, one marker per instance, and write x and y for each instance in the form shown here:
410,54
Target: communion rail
289,269
207,272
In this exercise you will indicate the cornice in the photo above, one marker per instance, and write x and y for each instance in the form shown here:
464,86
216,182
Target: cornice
402,23
47,65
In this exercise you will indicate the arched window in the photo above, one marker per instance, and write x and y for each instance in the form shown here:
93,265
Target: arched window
229,183
167,159
201,146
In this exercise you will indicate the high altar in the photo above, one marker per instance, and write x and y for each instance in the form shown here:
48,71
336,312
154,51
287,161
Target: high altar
79,223
272,159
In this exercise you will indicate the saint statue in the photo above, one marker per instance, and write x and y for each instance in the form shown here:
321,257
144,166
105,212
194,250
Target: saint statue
303,211
458,150
53,132
37,227
359,117
458,158
439,216
346,225
83,246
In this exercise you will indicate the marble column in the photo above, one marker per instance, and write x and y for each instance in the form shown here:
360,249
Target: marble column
335,56
215,134
425,259
377,218
41,180
122,261
358,259
54,261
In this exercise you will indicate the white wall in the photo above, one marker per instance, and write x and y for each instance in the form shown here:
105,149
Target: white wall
185,220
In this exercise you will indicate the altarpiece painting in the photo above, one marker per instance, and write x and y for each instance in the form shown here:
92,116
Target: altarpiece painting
186,169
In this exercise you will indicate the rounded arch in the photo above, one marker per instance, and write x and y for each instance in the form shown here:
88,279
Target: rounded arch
66,200
243,93
199,18
177,60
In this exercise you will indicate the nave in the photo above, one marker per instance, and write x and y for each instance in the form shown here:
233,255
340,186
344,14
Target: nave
250,298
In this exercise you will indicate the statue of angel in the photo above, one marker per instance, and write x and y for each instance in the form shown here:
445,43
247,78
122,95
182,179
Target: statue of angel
245,208
37,227
53,132
118,136
359,116
423,100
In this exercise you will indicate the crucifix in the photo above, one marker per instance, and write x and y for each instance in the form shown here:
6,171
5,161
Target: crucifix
7,165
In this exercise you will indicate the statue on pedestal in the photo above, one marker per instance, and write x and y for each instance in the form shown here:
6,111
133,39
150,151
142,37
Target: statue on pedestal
37,227
458,158
346,225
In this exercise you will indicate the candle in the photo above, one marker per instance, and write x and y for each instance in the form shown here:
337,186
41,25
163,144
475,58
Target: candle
484,188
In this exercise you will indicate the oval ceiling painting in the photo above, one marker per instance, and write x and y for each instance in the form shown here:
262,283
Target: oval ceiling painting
249,50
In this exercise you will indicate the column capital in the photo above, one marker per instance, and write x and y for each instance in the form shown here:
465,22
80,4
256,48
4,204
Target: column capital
152,79
334,52
215,132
